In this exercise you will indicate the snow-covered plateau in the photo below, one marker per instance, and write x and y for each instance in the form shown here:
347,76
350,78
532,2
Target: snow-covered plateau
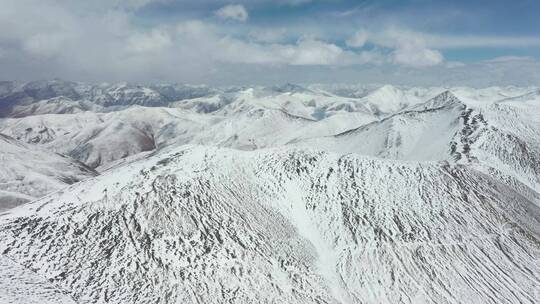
123,193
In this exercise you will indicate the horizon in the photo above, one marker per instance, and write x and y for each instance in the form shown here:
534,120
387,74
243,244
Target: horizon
374,85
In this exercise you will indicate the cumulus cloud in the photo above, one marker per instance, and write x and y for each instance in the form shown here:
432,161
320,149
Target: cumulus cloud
311,51
209,43
417,56
233,12
109,46
409,47
71,39
358,39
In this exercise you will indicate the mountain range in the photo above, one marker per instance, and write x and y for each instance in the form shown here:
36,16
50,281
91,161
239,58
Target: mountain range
322,193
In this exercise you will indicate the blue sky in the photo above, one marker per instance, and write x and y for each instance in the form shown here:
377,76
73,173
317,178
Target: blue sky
262,41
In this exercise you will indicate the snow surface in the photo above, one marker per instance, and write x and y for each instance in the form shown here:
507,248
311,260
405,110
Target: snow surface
285,194
28,172
199,224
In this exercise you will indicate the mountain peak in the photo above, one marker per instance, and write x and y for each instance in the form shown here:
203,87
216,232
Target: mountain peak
444,99
387,99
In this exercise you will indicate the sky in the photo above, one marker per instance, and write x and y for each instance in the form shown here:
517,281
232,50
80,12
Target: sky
411,42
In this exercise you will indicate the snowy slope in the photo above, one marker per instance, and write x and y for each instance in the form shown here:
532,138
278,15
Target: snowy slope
28,173
210,225
506,141
21,285
422,132
99,138
284,194
246,119
501,138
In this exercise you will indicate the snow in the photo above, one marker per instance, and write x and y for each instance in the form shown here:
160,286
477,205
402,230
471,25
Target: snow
203,224
20,285
28,173
287,194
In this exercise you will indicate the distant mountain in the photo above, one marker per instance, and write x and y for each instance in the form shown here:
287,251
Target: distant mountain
55,105
113,96
99,138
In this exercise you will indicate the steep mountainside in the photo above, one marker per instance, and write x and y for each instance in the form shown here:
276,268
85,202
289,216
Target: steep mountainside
498,138
210,225
421,132
28,173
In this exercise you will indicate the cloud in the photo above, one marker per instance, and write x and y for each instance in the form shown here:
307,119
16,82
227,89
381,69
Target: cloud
107,42
206,41
417,56
268,34
358,39
152,41
233,12
388,36
409,48
454,64
510,59
471,41
313,52
44,44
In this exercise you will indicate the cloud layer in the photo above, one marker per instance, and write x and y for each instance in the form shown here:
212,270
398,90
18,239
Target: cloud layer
107,41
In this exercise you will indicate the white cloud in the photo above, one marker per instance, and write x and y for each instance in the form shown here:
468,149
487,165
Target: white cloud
358,39
44,44
233,11
313,52
445,41
453,42
409,48
205,41
454,64
294,2
43,40
417,56
153,41
268,34
510,59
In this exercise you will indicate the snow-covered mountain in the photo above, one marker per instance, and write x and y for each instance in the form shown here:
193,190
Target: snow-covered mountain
14,96
213,225
28,172
421,132
99,138
282,194
500,138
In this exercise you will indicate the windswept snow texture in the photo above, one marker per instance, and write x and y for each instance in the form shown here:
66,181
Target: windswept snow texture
285,194
214,225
